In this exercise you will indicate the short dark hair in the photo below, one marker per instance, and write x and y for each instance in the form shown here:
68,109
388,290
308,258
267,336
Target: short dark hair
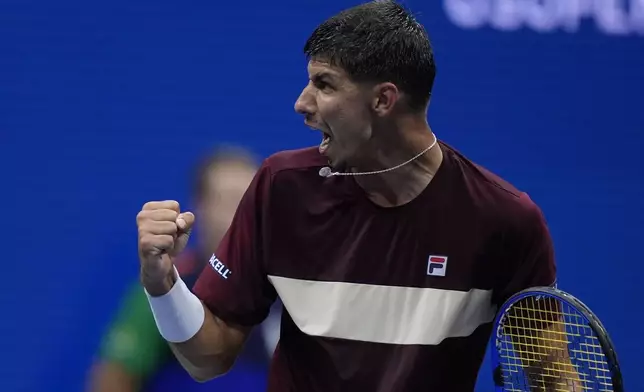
222,155
378,42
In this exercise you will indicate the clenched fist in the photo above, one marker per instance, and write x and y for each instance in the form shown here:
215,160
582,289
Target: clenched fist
163,233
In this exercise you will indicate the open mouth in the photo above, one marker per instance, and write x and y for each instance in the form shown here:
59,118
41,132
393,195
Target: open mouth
326,141
326,138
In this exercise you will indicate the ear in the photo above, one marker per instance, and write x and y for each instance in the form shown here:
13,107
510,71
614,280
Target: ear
385,96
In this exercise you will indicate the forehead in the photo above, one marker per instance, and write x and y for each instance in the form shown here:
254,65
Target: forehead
320,69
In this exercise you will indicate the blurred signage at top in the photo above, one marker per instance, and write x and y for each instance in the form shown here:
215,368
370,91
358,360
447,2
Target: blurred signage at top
610,17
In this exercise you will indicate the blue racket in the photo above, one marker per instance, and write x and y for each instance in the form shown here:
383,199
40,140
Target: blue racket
546,340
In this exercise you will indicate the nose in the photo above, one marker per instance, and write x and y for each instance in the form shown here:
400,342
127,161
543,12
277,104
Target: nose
305,103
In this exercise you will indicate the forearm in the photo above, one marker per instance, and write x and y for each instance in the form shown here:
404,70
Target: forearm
212,351
204,345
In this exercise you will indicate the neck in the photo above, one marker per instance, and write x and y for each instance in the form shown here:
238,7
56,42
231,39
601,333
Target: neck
393,188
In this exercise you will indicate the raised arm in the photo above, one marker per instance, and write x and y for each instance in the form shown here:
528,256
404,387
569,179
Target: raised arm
205,345
207,329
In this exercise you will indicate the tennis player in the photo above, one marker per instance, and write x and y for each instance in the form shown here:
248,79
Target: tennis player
389,250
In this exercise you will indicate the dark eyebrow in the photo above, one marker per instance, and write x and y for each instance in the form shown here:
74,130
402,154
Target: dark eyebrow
322,76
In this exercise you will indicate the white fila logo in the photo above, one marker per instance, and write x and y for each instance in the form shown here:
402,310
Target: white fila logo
436,265
219,267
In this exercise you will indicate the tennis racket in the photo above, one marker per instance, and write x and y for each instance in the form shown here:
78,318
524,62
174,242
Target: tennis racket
546,340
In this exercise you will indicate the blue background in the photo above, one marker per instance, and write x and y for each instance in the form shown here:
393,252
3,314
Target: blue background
105,105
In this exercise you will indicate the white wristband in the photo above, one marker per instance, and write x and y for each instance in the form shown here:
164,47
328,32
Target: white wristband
179,314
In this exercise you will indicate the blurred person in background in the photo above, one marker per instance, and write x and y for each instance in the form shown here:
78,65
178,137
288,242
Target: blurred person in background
133,356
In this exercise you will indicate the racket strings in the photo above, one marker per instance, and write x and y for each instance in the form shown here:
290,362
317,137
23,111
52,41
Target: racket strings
547,345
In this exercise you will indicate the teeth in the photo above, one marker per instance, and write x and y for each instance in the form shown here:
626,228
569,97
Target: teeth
325,144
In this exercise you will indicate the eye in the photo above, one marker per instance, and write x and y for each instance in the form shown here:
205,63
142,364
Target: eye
322,85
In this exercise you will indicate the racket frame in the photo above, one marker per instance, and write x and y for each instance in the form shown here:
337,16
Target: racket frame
593,322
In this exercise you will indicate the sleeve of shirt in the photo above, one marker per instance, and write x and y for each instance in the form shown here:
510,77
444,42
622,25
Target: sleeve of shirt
235,286
528,251
132,339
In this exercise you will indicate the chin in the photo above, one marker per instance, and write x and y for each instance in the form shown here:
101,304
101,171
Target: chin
337,158
337,164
